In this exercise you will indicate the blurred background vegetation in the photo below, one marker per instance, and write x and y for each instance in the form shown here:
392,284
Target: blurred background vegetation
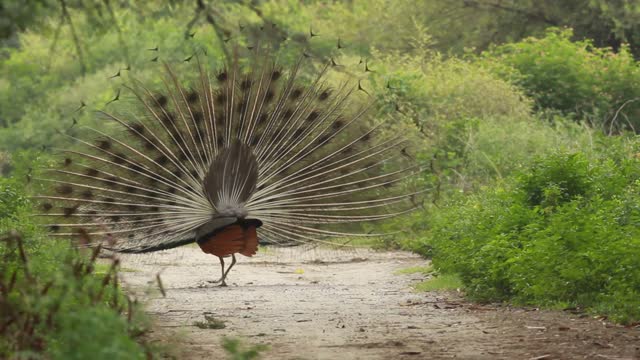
525,112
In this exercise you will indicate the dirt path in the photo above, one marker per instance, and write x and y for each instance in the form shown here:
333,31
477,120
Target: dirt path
326,304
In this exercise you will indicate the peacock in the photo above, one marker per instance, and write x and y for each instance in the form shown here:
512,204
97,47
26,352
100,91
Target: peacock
256,151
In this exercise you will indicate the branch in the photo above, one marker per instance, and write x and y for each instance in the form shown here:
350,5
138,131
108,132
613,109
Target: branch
76,40
219,34
532,15
120,37
615,117
201,8
54,43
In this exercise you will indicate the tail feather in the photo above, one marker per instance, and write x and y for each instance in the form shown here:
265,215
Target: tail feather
254,139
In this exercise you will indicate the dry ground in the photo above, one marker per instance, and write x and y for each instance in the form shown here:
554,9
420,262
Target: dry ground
328,304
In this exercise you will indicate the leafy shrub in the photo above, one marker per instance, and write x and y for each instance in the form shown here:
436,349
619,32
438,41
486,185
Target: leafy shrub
54,300
236,350
565,232
574,78
557,179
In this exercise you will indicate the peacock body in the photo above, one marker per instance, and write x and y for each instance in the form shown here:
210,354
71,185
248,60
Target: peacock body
253,152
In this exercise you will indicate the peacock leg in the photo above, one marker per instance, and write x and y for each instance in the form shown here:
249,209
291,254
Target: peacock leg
224,275
221,280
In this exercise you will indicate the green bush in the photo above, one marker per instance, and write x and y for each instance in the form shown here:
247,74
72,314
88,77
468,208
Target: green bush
557,179
56,301
574,78
42,87
565,233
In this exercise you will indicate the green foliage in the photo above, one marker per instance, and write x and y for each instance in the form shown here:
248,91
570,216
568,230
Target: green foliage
17,15
42,86
53,301
557,179
496,148
442,282
237,351
574,78
458,26
565,232
426,270
94,332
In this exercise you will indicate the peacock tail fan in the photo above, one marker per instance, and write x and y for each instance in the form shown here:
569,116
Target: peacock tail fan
258,138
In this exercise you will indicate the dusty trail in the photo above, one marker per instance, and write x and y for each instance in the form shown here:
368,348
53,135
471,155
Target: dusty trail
327,304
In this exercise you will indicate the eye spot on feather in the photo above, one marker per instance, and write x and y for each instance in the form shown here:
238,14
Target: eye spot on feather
295,94
192,97
67,161
162,100
135,167
275,75
246,84
168,119
338,124
149,145
137,128
287,114
263,118
323,139
162,160
87,194
64,189
47,206
197,118
366,137
313,115
324,95
220,99
242,106
268,96
91,172
103,144
298,132
54,228
347,150
119,158
222,77
68,211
